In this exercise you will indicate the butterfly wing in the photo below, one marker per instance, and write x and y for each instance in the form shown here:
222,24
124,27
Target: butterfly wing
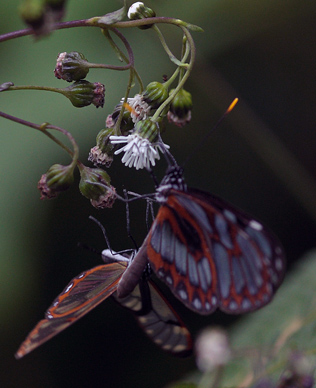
213,255
158,319
81,295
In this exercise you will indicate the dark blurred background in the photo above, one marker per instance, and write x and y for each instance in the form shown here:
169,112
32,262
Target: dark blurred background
262,159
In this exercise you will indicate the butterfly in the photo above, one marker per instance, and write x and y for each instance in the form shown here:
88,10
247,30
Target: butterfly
152,311
210,254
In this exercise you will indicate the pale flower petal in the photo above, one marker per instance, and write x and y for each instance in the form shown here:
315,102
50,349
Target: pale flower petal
138,152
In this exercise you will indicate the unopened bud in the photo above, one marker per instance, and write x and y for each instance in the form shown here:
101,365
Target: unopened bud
83,93
103,152
95,185
139,11
58,178
155,94
41,15
180,108
71,66
147,129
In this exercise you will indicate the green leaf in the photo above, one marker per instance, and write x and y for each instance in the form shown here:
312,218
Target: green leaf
113,17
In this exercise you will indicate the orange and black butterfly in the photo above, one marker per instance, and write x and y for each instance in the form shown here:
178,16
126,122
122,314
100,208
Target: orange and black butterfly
153,313
211,254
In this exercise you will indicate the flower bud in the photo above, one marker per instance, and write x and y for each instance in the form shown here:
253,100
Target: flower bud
155,94
58,178
103,152
83,93
71,66
139,11
57,7
147,129
41,15
95,185
180,108
33,14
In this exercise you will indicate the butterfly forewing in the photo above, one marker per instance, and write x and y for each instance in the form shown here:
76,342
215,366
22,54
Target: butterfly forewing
81,295
213,255
157,318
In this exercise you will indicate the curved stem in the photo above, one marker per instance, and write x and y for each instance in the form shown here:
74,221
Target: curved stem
93,22
43,128
172,57
184,78
75,154
130,53
179,69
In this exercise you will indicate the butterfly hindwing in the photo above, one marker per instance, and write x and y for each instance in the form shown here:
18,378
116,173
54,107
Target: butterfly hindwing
213,255
82,294
158,319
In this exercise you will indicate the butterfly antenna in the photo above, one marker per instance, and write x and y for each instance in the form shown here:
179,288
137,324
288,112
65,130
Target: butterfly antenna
128,228
153,176
203,141
149,210
171,161
103,231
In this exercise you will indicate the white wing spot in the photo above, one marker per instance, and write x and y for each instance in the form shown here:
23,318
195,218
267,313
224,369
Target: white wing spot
68,288
233,305
197,304
169,280
255,225
183,295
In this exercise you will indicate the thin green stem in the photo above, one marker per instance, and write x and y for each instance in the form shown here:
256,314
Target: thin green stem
185,47
179,69
172,57
33,87
109,67
128,89
121,54
43,128
184,78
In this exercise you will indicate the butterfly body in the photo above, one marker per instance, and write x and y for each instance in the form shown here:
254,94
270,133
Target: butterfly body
211,254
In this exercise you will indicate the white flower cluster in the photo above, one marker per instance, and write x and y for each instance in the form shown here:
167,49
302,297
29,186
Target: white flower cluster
139,152
139,108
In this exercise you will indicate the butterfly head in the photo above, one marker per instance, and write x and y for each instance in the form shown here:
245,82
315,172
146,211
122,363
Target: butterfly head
172,180
109,256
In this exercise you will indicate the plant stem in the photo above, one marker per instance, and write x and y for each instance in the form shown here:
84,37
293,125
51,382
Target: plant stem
33,87
184,78
43,128
172,57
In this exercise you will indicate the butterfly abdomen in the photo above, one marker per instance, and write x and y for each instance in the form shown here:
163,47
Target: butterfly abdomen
131,276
